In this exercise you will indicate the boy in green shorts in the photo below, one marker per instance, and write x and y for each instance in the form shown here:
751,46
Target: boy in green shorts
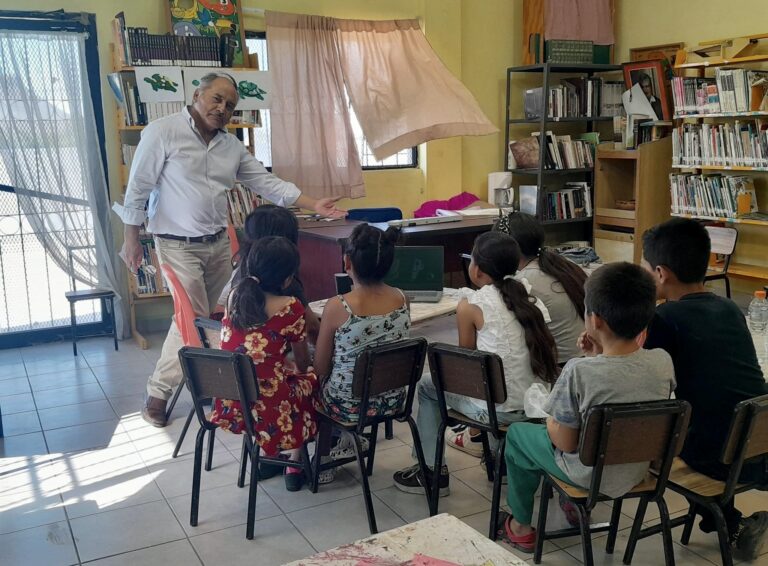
620,302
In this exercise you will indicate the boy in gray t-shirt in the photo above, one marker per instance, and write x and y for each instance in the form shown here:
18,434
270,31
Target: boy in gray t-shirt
620,302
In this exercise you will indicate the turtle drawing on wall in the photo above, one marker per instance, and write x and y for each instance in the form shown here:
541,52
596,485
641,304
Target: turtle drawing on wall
161,82
248,89
212,18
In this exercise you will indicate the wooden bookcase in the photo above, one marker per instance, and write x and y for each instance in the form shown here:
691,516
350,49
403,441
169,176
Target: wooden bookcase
641,175
130,135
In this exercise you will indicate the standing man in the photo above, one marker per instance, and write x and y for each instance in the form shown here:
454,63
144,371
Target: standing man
183,166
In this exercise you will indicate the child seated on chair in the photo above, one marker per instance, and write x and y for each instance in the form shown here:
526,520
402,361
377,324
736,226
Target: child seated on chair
500,317
270,220
263,322
373,313
715,362
619,305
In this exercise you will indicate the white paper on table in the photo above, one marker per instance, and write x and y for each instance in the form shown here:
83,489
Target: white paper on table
635,102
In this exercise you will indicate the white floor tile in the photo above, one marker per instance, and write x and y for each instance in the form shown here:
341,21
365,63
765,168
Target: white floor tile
24,510
15,386
85,437
128,385
343,486
276,541
175,477
21,423
60,379
17,403
124,530
122,371
178,552
481,523
62,396
12,370
25,474
128,405
23,445
73,415
37,366
108,357
221,507
49,544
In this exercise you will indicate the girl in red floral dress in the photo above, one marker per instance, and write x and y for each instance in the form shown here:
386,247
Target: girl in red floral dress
262,322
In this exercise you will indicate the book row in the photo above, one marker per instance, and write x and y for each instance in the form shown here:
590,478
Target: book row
561,152
737,144
149,279
240,202
587,97
574,200
730,90
710,195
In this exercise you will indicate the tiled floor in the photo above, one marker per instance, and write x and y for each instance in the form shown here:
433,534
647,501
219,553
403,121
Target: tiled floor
84,480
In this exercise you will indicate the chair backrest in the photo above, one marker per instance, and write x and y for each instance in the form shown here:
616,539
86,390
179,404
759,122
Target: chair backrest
384,214
234,240
182,308
71,251
747,437
219,373
629,433
723,242
472,373
387,367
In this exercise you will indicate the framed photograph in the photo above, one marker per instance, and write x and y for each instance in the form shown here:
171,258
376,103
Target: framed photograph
667,51
651,78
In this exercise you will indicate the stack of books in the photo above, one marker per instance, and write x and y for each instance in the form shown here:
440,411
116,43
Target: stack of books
574,200
136,112
128,152
137,47
709,195
240,202
586,97
562,152
149,279
731,90
742,144
569,51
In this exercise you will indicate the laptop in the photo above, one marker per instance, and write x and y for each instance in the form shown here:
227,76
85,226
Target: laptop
418,271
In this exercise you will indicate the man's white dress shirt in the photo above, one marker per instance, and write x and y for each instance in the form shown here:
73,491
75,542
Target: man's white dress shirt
186,180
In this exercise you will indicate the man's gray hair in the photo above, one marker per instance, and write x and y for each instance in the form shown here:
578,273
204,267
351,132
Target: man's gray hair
207,80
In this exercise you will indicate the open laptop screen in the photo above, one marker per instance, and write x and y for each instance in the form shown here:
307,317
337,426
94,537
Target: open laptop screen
417,268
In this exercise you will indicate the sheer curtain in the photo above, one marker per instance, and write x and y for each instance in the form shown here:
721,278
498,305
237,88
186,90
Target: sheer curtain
313,144
402,93
50,150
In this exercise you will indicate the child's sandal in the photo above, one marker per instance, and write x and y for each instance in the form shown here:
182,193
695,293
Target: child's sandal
525,543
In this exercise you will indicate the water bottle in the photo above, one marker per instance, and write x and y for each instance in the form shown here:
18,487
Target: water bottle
757,318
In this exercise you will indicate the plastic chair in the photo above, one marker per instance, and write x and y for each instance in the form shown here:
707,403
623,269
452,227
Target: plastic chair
378,369
723,242
227,375
234,239
616,434
479,375
747,439
384,214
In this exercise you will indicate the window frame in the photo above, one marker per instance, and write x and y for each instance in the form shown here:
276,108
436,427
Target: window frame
249,34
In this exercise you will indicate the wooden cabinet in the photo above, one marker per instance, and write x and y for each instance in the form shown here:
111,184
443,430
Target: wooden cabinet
640,175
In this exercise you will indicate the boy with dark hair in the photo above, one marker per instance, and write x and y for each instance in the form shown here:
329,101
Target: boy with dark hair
619,305
715,361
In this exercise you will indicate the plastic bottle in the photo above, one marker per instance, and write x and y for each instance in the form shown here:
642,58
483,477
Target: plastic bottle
757,318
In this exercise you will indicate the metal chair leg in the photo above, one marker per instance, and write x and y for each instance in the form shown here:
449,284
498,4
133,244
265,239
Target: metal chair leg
487,455
389,432
372,448
635,532
586,535
722,534
114,324
666,532
433,501
420,456
610,544
244,457
184,430
196,473
322,447
366,487
306,465
174,399
727,287
541,527
496,498
73,326
209,455
688,528
252,491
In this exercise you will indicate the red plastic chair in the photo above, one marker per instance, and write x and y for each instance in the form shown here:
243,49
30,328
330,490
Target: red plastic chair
234,242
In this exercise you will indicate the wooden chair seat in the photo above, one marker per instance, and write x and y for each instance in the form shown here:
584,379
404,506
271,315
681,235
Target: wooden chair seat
574,492
471,422
346,425
86,294
684,476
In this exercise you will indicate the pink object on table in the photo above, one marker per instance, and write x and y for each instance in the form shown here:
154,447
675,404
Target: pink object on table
458,202
422,560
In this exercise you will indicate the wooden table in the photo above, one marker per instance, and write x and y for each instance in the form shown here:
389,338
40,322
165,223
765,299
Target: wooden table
420,312
442,537
321,245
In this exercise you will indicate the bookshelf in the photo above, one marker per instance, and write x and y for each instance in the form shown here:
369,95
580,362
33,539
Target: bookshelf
150,287
731,162
640,175
549,180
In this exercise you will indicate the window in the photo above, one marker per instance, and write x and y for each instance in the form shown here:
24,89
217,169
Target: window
257,43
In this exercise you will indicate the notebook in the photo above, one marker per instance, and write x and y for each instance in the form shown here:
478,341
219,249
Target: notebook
418,271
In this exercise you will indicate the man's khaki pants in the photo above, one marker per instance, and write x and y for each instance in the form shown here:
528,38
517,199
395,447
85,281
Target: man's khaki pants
203,270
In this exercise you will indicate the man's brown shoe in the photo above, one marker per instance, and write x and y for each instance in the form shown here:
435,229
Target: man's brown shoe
154,411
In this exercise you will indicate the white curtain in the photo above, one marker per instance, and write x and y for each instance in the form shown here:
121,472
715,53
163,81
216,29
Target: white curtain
313,144
50,150
402,93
